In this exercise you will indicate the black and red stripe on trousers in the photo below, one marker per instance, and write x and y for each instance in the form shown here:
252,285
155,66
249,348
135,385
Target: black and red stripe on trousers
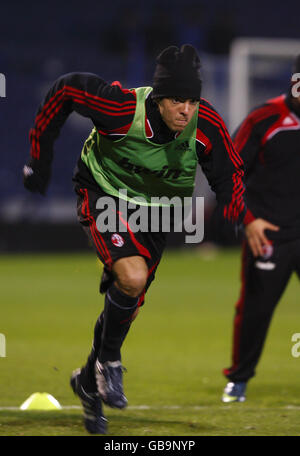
148,245
263,283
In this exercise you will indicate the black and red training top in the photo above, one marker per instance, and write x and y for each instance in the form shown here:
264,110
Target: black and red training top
111,109
269,143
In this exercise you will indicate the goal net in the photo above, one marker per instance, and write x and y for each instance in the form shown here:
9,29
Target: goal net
259,69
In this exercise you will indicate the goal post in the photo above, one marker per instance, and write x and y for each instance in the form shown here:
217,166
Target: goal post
252,58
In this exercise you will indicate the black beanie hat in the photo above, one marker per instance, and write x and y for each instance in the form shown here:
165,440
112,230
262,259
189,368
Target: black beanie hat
177,73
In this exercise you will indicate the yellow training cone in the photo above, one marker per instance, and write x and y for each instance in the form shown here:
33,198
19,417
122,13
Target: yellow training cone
40,401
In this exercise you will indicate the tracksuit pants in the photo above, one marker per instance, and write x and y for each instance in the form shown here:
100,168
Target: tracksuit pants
264,280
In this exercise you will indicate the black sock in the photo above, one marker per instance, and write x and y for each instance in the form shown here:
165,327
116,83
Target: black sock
110,352
118,311
87,376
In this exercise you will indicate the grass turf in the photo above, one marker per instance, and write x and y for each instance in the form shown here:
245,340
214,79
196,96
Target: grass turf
174,353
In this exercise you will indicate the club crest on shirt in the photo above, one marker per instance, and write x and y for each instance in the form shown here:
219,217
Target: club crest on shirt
267,251
117,240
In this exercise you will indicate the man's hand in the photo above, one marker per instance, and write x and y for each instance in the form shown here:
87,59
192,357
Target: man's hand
34,180
255,233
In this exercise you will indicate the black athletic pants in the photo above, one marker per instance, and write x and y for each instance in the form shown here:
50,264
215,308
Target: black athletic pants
263,283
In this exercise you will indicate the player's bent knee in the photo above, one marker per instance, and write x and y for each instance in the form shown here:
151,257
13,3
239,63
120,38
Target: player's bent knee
131,275
132,283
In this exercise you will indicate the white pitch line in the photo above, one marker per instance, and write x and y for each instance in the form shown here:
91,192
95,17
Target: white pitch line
165,407
130,407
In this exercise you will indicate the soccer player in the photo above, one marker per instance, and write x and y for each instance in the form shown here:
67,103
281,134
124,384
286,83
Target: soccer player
147,141
269,142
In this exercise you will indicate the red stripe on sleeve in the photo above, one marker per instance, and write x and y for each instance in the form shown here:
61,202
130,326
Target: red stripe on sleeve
236,206
213,116
200,136
246,128
52,107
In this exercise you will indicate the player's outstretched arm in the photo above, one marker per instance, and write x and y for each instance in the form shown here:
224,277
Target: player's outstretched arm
107,105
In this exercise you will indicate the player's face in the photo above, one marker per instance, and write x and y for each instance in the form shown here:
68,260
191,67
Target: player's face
177,112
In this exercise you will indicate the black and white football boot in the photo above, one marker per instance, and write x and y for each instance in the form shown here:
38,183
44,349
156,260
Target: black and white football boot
109,380
94,420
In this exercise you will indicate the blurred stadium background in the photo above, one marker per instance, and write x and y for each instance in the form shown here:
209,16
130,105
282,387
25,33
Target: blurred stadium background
42,40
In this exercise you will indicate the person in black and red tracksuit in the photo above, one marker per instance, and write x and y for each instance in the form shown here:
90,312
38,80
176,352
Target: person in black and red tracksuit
269,142
136,134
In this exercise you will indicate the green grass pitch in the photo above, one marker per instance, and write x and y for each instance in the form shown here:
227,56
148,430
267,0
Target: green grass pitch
174,352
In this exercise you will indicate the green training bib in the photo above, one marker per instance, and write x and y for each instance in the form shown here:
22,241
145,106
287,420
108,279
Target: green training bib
140,167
